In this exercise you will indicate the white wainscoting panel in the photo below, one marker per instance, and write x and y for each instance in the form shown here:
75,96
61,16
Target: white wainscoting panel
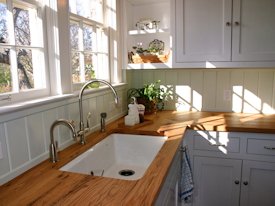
18,142
4,162
36,135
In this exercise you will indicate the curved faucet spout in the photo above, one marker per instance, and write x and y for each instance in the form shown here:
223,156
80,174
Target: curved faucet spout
53,145
81,131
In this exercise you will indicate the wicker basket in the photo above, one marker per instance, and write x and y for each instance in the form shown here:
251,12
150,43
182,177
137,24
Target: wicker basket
150,58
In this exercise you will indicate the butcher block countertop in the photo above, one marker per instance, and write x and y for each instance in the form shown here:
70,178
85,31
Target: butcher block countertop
46,185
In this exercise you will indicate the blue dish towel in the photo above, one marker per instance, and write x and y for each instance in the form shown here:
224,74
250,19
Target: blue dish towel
186,180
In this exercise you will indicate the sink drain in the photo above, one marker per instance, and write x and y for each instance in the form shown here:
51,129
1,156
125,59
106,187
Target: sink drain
126,172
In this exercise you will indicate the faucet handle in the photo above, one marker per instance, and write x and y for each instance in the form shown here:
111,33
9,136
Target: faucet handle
86,130
82,132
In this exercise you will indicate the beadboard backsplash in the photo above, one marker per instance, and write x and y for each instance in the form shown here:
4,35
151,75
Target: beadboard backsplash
226,90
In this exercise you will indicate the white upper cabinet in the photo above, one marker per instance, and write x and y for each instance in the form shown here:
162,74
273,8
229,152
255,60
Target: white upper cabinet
253,30
203,31
224,31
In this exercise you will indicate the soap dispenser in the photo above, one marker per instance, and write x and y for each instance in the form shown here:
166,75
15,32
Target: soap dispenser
133,115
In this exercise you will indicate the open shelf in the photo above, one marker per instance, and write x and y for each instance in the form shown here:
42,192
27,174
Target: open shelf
149,31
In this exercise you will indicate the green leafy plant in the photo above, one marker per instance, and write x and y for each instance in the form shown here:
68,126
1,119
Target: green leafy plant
149,95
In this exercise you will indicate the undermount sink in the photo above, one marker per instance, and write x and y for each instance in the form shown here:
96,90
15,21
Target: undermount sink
120,156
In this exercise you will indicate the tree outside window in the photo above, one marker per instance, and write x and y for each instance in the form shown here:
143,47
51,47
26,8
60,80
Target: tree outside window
21,48
89,41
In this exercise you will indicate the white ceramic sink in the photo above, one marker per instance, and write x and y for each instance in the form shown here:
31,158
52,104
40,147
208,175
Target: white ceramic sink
116,153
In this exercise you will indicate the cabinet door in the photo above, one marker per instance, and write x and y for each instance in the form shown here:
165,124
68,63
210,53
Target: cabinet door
168,195
253,30
203,30
217,181
258,184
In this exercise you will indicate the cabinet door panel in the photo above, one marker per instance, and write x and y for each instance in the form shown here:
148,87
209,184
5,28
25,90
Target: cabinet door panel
260,187
215,181
254,35
201,31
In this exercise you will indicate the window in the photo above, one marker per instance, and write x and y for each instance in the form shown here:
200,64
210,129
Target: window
89,41
90,9
22,61
38,44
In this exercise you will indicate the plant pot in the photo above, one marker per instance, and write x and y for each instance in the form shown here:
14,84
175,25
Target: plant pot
150,106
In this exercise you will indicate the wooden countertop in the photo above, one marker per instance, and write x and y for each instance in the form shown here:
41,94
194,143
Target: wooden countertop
46,185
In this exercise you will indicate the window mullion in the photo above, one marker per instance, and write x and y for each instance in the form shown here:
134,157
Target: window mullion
14,73
82,66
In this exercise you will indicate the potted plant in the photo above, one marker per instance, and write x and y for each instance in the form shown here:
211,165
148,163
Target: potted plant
150,95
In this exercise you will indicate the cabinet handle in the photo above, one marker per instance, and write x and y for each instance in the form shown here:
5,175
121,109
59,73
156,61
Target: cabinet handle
245,183
237,182
217,145
237,23
269,148
228,23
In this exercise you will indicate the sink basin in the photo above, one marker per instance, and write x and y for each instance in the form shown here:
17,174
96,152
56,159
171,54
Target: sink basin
120,156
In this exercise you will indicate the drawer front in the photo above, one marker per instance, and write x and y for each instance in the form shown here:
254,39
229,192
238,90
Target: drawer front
218,144
261,146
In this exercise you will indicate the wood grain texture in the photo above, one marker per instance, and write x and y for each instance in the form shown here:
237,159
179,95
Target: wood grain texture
46,185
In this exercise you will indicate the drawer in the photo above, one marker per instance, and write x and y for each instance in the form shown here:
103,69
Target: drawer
261,146
219,144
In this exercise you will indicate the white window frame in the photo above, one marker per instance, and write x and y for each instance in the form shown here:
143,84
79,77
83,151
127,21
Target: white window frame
56,16
42,77
97,48
101,71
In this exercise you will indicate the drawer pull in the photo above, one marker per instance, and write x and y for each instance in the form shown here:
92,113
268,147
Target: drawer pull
269,148
217,145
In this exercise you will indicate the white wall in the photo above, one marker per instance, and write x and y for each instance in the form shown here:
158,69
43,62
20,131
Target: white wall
227,90
25,135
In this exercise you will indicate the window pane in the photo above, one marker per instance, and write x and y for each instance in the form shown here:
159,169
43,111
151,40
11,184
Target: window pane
75,68
5,72
102,37
87,37
74,34
82,8
91,9
96,10
3,23
103,66
21,26
25,69
72,5
89,70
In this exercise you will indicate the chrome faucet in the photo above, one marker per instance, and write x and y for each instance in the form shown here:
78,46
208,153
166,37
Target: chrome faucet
53,145
82,130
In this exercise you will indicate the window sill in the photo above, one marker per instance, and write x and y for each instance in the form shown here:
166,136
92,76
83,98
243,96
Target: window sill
19,106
